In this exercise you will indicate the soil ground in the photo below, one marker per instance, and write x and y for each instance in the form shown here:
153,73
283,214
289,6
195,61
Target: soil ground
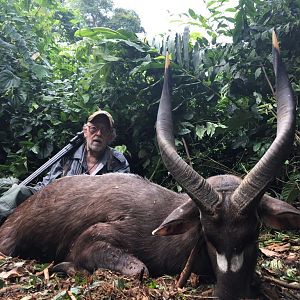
278,272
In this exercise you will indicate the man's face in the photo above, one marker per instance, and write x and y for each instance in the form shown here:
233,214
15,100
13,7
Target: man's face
97,134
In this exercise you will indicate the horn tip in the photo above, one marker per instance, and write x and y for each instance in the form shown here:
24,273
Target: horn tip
167,62
275,41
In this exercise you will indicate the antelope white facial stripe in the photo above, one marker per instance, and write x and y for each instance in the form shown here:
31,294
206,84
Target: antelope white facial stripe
237,262
222,262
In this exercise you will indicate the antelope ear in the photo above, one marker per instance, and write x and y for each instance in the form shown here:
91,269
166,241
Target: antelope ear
278,214
180,220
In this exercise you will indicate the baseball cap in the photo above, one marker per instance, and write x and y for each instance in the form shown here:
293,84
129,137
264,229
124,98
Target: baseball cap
101,112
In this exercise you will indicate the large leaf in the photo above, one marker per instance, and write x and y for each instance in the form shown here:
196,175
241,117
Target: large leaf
102,32
40,71
122,41
8,80
6,45
291,189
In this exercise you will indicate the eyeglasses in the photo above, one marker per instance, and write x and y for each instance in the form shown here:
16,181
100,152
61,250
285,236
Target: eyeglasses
103,129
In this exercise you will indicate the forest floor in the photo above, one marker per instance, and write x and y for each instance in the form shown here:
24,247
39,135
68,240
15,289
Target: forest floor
278,271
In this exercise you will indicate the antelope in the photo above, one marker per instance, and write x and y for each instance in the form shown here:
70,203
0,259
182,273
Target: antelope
127,224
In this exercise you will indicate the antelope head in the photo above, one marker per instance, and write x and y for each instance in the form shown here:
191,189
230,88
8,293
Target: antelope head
231,209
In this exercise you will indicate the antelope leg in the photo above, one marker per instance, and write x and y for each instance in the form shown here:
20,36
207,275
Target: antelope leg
97,247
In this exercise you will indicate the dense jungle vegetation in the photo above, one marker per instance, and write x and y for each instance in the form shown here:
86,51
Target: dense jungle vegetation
60,61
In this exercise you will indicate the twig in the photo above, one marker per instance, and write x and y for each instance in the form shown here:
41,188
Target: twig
71,296
186,272
268,80
200,297
10,288
295,286
45,269
155,169
89,280
187,152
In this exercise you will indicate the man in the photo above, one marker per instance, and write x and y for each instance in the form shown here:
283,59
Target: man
93,157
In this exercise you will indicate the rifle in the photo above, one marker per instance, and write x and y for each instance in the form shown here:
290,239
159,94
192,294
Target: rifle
75,141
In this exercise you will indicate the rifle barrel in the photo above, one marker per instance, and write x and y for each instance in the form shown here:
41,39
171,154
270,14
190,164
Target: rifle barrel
76,140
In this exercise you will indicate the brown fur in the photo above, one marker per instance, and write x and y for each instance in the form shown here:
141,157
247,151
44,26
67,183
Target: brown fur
68,218
90,222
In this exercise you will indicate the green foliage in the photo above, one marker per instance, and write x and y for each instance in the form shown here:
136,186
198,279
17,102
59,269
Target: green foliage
37,92
291,188
101,13
126,73
223,100
228,88
95,12
125,19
